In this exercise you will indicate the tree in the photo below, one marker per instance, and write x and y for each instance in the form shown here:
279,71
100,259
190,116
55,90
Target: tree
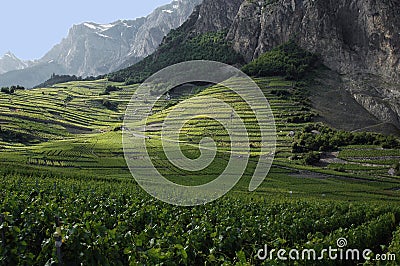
312,158
391,143
287,60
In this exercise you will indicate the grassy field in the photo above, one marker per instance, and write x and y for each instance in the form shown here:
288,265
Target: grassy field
61,154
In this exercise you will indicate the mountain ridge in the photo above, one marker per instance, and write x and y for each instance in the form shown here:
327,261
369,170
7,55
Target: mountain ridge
92,49
350,35
10,62
356,40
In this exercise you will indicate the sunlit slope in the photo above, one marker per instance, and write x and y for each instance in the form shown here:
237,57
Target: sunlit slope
75,129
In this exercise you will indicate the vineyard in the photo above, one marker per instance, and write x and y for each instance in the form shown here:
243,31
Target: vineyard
116,223
61,156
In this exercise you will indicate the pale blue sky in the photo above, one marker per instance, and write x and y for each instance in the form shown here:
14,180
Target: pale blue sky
30,28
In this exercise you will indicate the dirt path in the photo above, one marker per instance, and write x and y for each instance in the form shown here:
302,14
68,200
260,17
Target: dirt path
332,157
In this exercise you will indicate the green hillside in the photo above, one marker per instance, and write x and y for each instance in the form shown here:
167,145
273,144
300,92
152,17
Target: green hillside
180,45
61,154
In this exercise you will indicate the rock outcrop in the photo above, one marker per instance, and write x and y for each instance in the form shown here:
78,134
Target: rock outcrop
350,35
358,39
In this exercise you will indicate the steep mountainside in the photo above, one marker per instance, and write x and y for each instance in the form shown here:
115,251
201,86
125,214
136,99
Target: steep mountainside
92,49
202,36
359,40
350,35
95,49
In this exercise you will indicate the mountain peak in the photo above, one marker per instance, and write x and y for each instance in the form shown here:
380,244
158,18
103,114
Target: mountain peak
100,27
9,62
9,54
92,49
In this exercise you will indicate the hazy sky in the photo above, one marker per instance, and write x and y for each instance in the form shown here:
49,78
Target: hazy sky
30,28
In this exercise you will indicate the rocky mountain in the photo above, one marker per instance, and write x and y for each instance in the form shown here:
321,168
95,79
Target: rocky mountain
159,23
359,41
201,37
350,35
9,62
92,49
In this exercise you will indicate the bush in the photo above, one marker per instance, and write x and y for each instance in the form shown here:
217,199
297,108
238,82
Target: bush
340,169
391,143
396,167
110,105
317,137
312,158
12,89
300,119
111,88
287,60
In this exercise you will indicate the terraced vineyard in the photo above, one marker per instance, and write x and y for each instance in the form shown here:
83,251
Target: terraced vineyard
115,223
61,155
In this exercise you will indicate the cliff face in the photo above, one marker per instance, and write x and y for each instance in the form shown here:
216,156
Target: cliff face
358,39
350,35
94,49
158,24
216,15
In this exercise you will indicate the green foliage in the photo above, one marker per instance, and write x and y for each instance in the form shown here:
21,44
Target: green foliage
369,235
394,246
301,119
312,158
287,60
117,223
109,89
396,167
15,136
12,89
317,137
56,79
391,142
179,47
5,90
109,220
109,105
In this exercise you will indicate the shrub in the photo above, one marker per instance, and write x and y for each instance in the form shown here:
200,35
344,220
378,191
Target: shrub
312,158
287,60
317,137
391,143
111,88
110,105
